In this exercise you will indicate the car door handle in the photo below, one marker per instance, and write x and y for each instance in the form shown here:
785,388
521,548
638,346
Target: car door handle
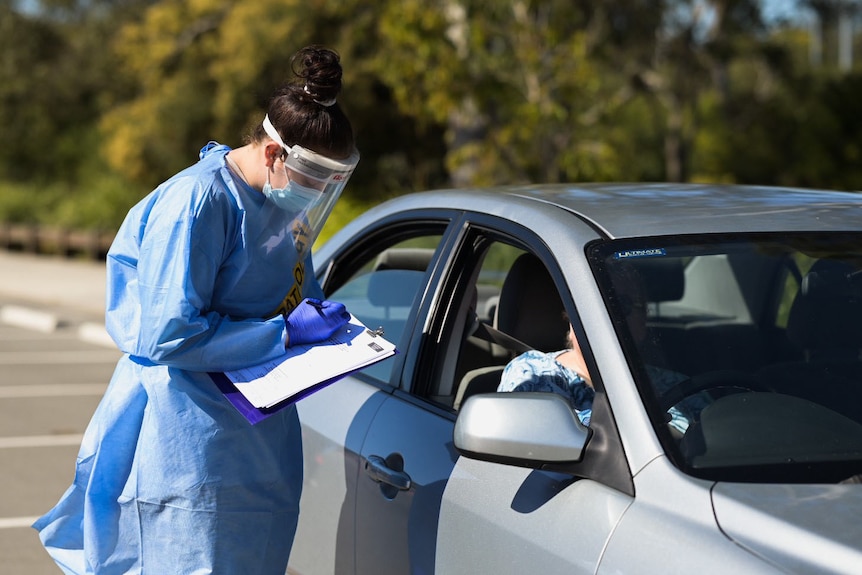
389,471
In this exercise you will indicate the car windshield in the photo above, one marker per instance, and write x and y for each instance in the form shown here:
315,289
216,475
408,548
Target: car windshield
745,349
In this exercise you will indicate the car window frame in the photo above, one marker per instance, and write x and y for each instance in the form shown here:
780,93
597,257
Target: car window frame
340,265
604,459
805,471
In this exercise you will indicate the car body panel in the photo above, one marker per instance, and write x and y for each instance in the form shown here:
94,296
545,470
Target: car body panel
608,208
762,517
670,528
397,530
458,514
559,522
640,210
331,449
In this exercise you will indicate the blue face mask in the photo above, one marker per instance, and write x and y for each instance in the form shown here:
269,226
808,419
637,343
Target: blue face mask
292,198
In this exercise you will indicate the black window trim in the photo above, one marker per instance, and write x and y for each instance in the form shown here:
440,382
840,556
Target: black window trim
342,264
604,458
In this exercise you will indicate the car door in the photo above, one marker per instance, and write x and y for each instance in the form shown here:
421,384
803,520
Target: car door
382,277
407,458
385,490
506,519
420,507
408,454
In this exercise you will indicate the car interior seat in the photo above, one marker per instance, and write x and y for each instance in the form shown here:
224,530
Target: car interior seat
660,280
416,259
825,324
396,277
686,343
825,320
663,279
529,310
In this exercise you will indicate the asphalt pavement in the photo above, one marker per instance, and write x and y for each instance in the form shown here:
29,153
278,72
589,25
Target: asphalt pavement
48,292
55,362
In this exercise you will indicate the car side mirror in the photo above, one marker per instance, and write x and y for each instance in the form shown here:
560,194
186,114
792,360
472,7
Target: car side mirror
526,429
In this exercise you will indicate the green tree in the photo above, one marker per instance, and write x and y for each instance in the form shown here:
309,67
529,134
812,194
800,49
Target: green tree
102,99
204,69
31,52
514,83
56,79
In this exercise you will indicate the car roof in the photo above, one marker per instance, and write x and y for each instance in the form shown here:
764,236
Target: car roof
659,209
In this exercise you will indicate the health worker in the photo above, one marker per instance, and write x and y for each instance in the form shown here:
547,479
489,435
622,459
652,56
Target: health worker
210,272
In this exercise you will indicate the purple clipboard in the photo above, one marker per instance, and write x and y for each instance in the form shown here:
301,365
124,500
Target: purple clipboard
255,414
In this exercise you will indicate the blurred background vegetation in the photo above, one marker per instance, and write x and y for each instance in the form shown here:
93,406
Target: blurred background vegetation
100,100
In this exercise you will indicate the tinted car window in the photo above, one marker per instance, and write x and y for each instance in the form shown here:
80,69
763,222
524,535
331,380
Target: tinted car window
516,307
383,292
745,349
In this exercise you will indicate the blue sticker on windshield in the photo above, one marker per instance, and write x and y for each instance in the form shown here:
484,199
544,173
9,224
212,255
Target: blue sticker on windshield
649,253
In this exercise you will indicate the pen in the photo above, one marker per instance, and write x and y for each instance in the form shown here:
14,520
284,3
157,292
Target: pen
316,304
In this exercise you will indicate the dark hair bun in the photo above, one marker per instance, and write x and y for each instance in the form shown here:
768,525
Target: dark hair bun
319,69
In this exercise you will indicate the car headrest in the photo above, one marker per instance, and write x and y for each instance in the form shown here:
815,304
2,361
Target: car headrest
827,312
416,259
394,288
663,279
530,308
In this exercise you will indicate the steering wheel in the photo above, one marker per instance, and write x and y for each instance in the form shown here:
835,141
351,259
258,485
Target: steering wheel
710,380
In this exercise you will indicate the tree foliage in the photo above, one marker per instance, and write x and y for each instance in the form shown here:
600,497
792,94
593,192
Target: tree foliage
102,99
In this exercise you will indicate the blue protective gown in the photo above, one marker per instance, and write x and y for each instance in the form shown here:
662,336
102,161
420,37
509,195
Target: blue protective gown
170,478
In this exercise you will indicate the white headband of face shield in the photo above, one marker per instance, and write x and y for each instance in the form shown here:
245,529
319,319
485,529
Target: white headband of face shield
312,164
311,170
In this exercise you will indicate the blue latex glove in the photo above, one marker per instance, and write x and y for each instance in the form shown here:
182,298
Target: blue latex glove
314,320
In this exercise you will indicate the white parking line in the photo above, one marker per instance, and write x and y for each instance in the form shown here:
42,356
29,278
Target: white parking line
95,333
38,321
58,357
19,335
28,318
41,441
16,522
51,390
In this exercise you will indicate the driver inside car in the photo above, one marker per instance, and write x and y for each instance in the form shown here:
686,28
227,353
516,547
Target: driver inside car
629,289
563,372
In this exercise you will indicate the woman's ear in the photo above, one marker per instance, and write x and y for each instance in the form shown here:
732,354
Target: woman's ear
272,152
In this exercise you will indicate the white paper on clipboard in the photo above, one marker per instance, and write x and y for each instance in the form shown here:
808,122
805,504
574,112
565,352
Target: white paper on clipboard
304,366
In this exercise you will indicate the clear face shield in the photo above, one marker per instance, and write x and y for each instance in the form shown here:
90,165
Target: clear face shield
315,184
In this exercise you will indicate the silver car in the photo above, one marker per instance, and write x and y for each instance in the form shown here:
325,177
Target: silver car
721,327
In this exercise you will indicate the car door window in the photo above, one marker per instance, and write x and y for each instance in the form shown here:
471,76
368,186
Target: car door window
478,337
410,438
384,289
478,355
